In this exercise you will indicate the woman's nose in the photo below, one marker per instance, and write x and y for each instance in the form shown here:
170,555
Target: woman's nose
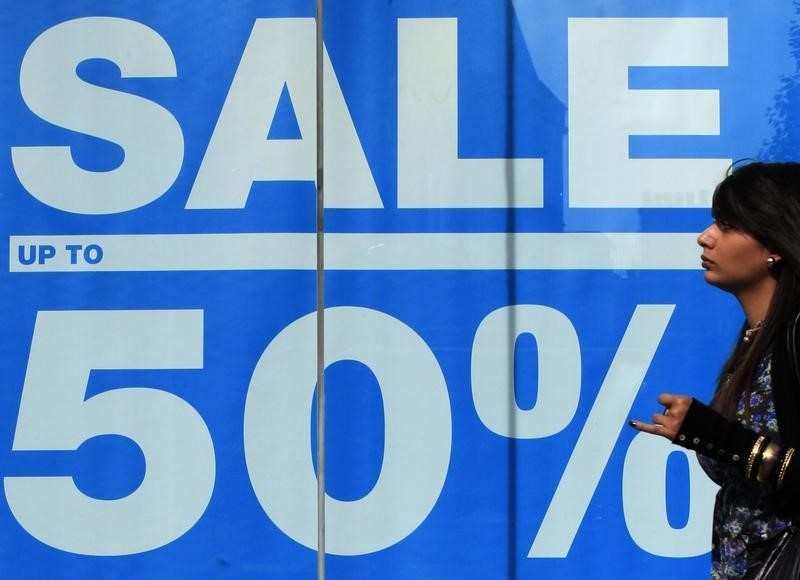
705,239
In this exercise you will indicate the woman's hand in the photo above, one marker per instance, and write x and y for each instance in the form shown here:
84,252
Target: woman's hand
669,421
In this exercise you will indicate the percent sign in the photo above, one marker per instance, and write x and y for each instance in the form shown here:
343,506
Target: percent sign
599,435
557,401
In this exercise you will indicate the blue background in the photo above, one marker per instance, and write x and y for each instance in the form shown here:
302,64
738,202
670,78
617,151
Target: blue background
512,85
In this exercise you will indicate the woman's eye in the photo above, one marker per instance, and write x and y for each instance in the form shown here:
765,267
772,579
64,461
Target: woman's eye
723,225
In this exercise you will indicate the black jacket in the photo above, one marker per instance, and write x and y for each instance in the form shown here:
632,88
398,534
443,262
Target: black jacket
709,433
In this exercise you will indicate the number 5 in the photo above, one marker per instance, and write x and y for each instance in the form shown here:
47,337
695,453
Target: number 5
54,415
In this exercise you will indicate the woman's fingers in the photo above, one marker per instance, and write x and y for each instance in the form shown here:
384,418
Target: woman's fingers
651,428
668,422
674,404
667,399
665,429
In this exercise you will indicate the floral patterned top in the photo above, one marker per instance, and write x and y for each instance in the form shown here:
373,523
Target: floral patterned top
746,511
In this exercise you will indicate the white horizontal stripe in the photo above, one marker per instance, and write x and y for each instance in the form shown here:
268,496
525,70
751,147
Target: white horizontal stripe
382,251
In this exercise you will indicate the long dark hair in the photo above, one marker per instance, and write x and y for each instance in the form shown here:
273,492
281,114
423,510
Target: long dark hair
762,199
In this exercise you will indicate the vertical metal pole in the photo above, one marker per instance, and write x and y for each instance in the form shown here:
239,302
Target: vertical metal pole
320,302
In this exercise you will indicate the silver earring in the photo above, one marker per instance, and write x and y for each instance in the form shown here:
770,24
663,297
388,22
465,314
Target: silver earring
771,262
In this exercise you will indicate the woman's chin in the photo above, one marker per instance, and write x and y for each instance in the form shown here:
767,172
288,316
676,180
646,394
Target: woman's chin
710,277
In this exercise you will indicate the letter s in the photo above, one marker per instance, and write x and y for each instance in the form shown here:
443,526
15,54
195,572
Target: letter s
148,133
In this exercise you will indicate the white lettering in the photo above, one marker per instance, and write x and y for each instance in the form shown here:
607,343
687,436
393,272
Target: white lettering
603,112
417,440
558,385
281,52
55,414
644,500
148,133
429,171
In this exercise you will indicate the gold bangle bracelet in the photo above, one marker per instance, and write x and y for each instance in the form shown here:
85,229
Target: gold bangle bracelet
787,458
754,452
767,465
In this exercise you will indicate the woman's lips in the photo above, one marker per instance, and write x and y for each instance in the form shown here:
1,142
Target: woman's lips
705,262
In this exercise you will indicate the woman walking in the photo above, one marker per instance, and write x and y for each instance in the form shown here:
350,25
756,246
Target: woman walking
746,438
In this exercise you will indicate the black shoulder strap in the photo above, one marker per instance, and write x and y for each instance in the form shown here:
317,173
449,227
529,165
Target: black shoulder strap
786,383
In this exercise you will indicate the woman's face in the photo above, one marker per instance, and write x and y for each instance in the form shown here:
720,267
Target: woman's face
733,259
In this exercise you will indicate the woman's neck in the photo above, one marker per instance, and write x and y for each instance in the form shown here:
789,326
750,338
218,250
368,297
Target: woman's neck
755,302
